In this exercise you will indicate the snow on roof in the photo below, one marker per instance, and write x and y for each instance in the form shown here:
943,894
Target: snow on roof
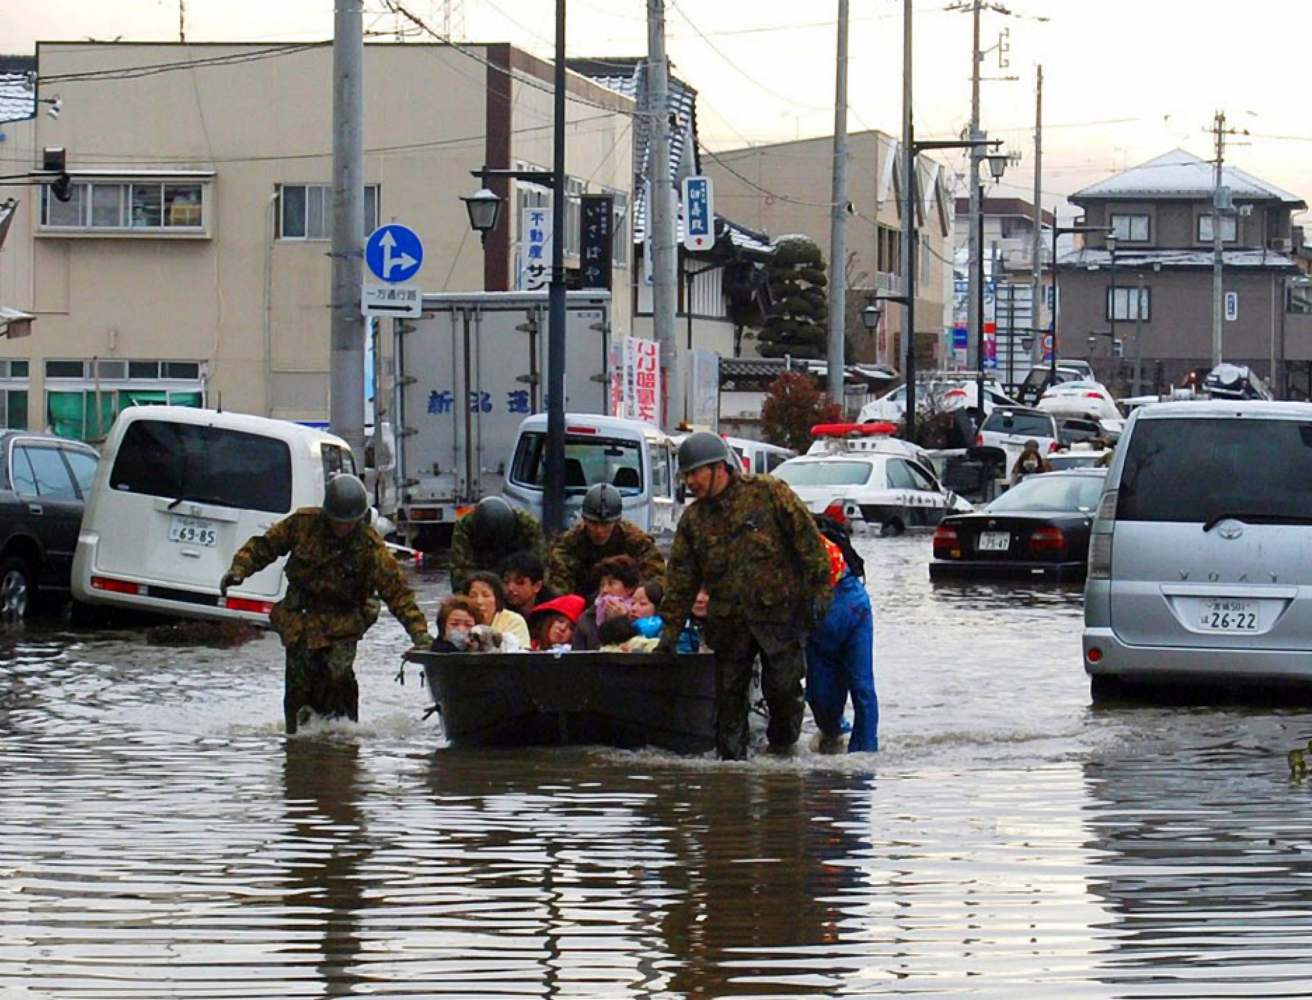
17,96
1181,174
1134,260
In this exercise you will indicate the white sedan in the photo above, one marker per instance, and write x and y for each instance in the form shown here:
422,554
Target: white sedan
942,395
1078,399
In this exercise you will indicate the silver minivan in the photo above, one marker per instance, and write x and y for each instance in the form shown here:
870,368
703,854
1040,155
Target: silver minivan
1200,561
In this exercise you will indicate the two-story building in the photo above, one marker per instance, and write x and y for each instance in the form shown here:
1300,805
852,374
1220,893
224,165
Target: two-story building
1149,294
191,263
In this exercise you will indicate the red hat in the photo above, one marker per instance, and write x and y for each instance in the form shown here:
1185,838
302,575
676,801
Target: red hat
571,606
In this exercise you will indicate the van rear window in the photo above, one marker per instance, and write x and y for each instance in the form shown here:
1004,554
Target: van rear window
210,464
588,461
1196,470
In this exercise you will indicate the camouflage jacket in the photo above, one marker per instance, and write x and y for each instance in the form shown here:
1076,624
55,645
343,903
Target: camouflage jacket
574,556
755,550
333,584
468,556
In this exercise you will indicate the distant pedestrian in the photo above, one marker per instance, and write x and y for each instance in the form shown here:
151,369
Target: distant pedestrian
336,570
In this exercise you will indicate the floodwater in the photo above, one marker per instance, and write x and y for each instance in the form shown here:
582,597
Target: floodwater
160,837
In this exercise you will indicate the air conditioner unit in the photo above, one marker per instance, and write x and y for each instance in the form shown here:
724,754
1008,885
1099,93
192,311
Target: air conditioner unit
1282,244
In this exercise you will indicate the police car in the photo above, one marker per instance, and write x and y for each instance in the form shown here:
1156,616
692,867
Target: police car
862,475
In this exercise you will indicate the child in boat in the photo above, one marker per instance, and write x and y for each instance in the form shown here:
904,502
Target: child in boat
552,623
690,639
643,612
617,635
456,619
484,589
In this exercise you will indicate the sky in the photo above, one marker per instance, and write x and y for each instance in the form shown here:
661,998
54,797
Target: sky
1124,80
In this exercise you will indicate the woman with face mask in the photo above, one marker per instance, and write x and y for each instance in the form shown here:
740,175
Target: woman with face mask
455,620
1030,462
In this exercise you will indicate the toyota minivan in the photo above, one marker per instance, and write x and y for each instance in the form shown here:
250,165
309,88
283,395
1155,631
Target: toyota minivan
178,491
1200,561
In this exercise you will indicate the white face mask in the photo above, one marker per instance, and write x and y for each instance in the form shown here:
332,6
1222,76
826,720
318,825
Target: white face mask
458,637
1030,464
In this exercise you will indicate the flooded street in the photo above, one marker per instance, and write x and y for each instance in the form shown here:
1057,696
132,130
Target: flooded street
160,837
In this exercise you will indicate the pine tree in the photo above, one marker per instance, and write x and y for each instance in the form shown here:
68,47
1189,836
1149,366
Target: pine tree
797,323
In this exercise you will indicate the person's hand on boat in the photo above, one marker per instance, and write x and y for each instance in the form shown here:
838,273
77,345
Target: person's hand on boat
230,579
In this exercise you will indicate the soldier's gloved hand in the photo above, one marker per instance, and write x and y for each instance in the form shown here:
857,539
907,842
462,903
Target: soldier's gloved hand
666,645
419,642
230,579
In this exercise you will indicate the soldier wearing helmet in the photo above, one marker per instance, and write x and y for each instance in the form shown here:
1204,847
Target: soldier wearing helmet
484,537
336,570
752,545
601,534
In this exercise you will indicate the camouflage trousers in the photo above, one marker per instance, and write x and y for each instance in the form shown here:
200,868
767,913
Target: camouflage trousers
320,681
782,648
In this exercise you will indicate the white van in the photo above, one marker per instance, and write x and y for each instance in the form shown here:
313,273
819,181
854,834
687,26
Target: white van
637,459
758,457
178,491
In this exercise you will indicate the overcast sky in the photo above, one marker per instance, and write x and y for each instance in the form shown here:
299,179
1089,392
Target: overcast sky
1124,80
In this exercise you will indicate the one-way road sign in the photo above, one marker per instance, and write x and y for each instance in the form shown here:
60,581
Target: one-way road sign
393,253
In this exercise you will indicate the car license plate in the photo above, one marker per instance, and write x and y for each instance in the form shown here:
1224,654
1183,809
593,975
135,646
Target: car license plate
994,541
193,531
1227,615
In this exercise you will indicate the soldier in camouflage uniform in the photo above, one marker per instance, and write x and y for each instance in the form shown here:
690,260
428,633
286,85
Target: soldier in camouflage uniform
600,535
752,545
337,570
484,537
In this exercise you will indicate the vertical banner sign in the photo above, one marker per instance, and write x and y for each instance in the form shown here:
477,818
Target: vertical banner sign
1231,306
989,357
641,388
535,247
705,390
595,249
616,379
698,213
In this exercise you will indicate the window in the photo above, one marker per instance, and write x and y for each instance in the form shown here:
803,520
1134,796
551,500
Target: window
1121,303
50,475
84,468
66,369
899,475
620,229
1229,229
13,394
336,461
588,461
114,205
199,462
922,479
84,397
659,461
305,211
1021,423
1057,493
839,473
1131,228
573,215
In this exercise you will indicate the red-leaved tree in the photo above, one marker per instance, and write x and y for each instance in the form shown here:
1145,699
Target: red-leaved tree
793,405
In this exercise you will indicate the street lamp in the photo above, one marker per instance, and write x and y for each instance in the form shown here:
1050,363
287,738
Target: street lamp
1056,305
484,208
997,167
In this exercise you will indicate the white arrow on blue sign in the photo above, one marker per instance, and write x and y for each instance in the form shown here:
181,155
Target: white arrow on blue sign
698,213
393,253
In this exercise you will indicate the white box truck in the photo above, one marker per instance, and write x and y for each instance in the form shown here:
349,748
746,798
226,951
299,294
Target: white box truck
467,374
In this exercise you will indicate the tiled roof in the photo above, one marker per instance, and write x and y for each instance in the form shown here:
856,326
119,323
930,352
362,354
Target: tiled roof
1181,174
17,95
1135,260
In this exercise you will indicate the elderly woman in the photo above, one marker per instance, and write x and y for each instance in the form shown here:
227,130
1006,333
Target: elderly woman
485,591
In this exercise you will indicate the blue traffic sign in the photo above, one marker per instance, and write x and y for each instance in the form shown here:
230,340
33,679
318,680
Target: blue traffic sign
393,253
698,213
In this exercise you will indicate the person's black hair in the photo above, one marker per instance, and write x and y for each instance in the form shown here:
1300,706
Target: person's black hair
654,590
837,533
614,631
621,568
525,563
492,580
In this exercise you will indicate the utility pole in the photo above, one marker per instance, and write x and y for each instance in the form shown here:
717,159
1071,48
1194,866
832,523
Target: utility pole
346,364
908,227
1218,196
974,313
661,215
838,220
553,499
1036,247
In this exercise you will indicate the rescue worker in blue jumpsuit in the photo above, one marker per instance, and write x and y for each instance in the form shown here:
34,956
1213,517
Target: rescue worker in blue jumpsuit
840,653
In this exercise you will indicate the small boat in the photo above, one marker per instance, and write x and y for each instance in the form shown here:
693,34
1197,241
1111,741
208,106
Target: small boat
626,700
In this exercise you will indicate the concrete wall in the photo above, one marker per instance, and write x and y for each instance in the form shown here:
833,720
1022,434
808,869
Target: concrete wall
251,307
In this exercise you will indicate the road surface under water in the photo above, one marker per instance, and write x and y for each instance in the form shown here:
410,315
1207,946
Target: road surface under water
160,837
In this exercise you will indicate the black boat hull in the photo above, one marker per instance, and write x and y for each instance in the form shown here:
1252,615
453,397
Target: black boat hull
626,700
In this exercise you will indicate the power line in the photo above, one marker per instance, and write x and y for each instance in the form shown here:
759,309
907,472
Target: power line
134,72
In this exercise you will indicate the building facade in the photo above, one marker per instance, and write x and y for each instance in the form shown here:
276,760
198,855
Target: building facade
1149,297
191,263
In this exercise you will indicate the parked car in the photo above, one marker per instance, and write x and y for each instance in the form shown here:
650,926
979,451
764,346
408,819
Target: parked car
1080,456
1040,378
758,457
942,394
1009,427
885,491
1200,564
178,491
1227,381
1081,399
43,485
1038,528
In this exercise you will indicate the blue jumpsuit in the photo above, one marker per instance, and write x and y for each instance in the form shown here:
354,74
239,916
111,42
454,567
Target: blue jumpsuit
840,656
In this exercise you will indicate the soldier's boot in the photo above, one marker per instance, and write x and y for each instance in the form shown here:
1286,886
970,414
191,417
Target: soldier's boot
732,677
782,669
339,694
298,688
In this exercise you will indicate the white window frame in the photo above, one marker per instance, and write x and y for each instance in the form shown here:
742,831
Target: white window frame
1126,233
123,220
323,193
9,382
574,190
1229,228
1121,299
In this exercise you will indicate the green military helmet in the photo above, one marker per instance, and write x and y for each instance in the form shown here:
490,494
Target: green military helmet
345,499
493,522
603,504
702,448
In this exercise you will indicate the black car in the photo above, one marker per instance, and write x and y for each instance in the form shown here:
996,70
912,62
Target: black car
43,484
1038,528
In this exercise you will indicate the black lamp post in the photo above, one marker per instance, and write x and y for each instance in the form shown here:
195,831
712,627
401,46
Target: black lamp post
997,167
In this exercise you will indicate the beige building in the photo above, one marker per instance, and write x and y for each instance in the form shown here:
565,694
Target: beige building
784,188
191,262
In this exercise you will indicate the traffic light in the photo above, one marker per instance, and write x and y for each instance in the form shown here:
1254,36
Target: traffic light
62,186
